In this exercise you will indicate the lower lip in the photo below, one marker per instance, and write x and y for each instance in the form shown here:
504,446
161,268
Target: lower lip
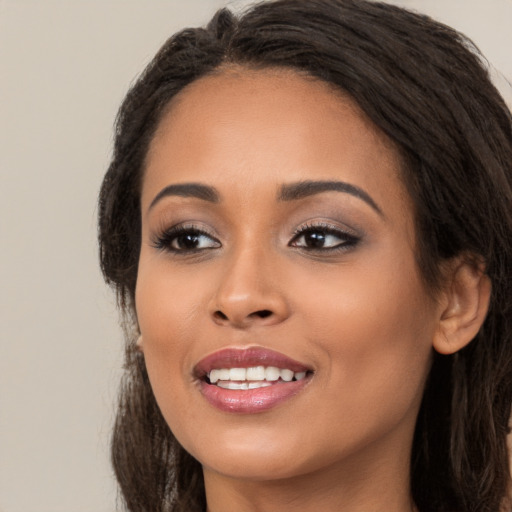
251,401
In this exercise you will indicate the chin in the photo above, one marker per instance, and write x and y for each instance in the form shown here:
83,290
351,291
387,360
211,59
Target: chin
251,454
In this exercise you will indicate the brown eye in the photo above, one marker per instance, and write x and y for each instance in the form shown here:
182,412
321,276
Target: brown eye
315,240
192,241
182,240
186,241
323,238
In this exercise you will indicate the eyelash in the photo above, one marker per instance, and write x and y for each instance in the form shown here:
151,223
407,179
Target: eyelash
347,240
165,240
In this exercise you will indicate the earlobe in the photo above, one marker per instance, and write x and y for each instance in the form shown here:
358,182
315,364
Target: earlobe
139,344
464,307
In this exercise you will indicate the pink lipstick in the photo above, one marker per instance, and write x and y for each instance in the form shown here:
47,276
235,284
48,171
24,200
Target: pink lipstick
250,380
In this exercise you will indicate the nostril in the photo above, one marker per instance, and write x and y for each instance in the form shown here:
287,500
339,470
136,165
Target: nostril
264,313
220,315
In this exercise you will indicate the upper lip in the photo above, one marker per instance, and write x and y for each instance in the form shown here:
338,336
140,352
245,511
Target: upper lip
245,358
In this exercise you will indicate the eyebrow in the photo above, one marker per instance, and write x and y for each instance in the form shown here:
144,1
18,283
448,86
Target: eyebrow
288,192
197,190
302,189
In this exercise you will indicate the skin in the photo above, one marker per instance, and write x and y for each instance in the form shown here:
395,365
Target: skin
360,317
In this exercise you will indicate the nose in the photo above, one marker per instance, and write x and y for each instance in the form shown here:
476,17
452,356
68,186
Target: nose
249,292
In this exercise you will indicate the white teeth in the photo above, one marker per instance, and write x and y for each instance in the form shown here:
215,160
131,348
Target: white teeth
224,374
286,375
233,385
237,373
243,385
253,377
214,376
272,373
261,384
256,373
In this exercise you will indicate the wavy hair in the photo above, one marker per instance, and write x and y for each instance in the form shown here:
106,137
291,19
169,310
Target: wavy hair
424,85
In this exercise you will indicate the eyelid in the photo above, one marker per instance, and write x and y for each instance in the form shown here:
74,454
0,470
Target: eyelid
326,226
348,237
163,237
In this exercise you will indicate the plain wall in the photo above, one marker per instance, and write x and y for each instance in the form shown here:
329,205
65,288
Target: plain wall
65,66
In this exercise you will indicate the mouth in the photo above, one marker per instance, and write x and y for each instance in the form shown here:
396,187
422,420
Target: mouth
254,377
250,380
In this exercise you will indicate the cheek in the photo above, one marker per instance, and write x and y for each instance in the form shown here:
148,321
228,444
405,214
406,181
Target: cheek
375,329
166,310
168,300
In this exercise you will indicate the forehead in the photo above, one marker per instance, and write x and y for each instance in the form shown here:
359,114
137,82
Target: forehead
269,127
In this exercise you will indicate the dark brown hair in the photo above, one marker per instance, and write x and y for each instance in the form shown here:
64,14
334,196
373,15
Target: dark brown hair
424,85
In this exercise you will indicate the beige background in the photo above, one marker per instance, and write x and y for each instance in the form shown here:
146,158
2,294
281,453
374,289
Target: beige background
64,67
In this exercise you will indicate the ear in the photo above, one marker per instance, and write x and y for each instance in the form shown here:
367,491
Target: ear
464,304
139,344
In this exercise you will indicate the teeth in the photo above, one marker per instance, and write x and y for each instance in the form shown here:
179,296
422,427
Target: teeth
243,385
214,376
223,374
237,373
286,375
253,377
261,384
233,385
256,373
272,373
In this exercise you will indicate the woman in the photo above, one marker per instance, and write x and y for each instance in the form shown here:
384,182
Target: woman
307,220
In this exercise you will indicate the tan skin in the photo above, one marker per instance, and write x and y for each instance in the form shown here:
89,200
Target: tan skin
336,275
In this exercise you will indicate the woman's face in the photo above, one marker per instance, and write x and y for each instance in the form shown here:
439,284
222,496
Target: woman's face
278,243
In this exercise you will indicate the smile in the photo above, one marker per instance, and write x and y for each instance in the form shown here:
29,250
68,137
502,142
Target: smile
250,380
253,377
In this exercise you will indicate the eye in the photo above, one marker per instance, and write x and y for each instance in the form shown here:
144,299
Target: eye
323,237
185,239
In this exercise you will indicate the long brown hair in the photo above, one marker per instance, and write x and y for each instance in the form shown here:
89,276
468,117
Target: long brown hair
425,86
